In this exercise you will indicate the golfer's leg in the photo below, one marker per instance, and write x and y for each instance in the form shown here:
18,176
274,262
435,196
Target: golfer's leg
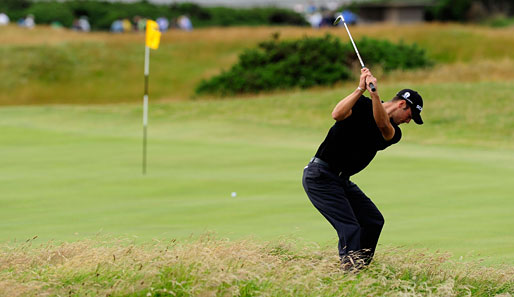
328,196
369,218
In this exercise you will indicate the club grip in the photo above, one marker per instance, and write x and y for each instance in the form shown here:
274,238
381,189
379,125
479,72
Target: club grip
372,87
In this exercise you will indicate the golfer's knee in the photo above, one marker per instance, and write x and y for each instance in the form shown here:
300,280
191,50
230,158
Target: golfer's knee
376,223
379,222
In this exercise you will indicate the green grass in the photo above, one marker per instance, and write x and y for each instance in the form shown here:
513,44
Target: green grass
208,266
49,66
71,181
71,172
499,21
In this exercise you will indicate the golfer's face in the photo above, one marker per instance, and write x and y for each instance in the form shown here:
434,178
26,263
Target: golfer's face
403,115
408,115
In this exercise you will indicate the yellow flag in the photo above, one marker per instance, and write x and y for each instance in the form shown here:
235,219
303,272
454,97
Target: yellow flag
153,35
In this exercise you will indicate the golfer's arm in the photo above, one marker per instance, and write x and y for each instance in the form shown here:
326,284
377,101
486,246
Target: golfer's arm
381,117
343,109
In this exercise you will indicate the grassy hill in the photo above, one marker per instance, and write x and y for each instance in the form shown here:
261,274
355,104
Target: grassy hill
52,66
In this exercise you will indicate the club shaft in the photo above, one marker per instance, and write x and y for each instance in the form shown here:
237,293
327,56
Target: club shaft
371,85
353,43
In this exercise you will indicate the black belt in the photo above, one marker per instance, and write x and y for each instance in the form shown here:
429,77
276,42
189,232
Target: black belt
325,164
319,161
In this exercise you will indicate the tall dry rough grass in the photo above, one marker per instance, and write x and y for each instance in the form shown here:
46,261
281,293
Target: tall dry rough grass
216,267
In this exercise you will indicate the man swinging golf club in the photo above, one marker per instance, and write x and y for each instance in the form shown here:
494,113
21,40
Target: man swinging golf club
363,126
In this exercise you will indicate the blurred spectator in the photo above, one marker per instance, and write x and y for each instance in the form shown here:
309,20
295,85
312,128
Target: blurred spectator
117,26
327,19
315,19
4,19
30,22
135,23
163,24
27,22
75,25
127,25
141,25
81,24
84,24
184,23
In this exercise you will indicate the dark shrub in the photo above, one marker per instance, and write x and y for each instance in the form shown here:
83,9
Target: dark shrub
388,55
307,62
451,10
15,9
48,12
282,64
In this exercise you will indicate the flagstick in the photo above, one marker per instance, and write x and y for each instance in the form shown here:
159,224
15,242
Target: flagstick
145,105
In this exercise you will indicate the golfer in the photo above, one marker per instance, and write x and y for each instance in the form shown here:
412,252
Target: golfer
363,126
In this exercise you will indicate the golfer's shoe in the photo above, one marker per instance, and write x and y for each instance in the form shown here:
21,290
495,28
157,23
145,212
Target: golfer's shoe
351,263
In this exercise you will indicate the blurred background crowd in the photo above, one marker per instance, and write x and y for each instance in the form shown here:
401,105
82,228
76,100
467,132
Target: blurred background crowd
122,16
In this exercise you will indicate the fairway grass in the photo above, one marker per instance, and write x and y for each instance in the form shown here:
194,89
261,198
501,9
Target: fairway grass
74,172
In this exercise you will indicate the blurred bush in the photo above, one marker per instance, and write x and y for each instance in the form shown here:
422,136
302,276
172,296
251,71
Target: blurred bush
451,10
48,12
307,62
469,10
500,21
226,16
14,8
387,55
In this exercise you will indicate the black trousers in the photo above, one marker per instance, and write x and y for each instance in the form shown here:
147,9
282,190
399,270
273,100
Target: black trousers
355,217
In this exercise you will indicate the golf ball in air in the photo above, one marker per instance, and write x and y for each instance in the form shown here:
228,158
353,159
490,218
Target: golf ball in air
234,194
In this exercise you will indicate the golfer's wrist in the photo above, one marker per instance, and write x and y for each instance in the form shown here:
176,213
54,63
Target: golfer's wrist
359,89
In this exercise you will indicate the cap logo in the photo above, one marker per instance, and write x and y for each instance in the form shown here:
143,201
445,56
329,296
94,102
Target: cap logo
419,108
406,95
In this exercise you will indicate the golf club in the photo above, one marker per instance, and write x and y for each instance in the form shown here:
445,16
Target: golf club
337,21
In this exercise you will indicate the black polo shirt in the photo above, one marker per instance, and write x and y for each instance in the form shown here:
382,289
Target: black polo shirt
352,143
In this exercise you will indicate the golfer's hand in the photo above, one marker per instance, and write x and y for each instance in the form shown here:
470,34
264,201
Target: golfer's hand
371,79
364,74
